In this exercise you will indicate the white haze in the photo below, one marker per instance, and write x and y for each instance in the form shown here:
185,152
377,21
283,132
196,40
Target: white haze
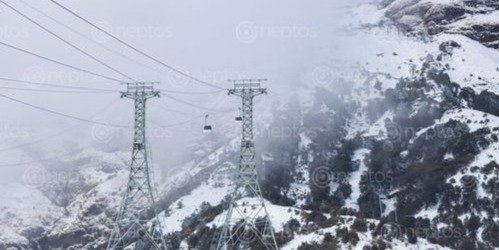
196,36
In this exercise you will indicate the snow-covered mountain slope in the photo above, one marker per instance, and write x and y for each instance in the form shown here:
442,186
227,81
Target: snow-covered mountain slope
407,139
26,214
474,19
392,145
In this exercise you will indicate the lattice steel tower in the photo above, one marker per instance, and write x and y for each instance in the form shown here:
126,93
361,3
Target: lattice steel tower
247,220
137,220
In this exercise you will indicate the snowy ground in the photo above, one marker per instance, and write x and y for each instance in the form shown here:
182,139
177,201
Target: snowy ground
212,191
356,178
24,207
382,52
365,238
279,215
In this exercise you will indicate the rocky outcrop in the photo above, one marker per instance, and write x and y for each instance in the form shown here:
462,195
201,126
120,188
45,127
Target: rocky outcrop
416,16
487,34
487,102
413,14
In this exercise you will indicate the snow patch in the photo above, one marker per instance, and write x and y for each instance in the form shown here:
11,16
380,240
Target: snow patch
356,177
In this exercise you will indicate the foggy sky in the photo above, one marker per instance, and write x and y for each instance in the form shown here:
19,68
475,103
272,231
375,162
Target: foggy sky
204,38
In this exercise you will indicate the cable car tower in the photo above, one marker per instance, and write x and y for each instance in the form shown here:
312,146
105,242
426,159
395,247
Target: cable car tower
247,220
137,222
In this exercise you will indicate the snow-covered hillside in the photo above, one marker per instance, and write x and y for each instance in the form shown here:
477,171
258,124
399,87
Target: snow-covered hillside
392,144
406,139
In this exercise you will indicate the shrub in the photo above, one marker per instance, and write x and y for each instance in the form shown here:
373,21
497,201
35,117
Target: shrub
360,225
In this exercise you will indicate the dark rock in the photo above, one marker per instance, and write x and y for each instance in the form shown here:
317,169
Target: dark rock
414,16
487,34
62,241
468,95
32,233
385,3
448,46
487,102
443,13
94,209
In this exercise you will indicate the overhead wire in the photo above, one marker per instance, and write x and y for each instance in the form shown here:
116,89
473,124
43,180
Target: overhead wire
100,75
59,113
104,46
90,39
88,120
168,109
180,72
179,123
56,85
106,107
56,91
194,105
67,42
113,51
73,152
109,91
52,136
41,160
92,121
59,63
191,93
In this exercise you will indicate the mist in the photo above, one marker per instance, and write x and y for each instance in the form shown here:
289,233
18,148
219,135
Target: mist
213,41
378,126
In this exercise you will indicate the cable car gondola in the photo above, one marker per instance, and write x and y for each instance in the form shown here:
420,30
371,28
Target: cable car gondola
207,128
238,117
